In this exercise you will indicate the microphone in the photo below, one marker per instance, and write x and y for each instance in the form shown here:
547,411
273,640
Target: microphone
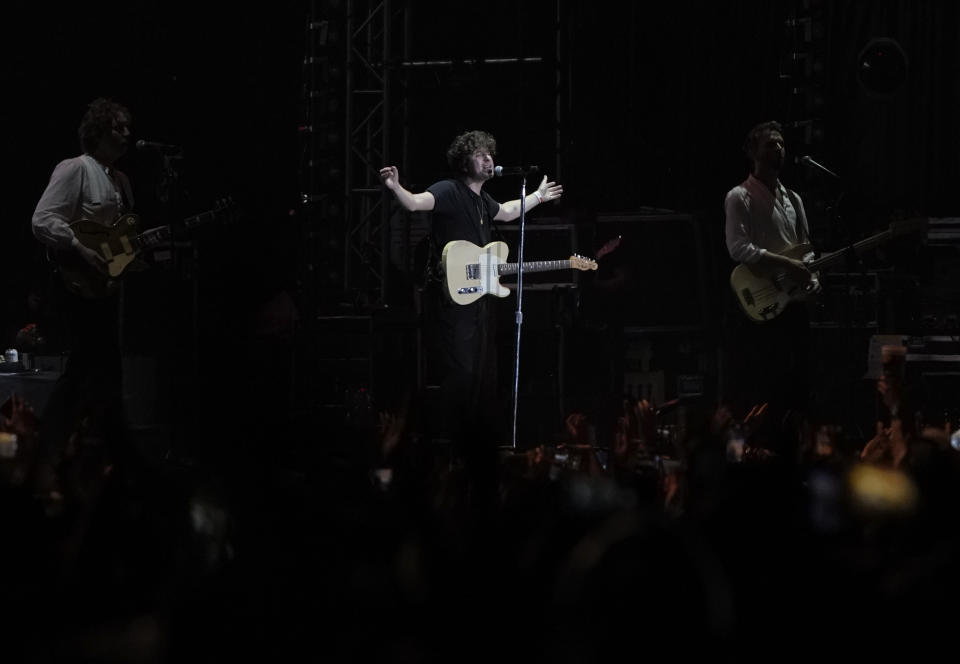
500,171
807,161
164,148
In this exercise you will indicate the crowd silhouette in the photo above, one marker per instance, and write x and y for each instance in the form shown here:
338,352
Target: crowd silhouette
692,527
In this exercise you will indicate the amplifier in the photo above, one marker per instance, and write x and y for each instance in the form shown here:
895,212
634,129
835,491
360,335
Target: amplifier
846,300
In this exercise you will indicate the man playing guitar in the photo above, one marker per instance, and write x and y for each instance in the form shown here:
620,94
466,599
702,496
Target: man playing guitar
767,362
463,333
86,187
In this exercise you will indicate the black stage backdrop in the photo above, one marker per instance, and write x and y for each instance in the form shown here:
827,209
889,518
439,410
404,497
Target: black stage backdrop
656,99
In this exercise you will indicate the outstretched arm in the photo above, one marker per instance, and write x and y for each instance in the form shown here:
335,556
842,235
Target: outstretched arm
422,202
547,191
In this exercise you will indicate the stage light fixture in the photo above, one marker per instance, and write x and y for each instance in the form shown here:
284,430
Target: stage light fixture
882,67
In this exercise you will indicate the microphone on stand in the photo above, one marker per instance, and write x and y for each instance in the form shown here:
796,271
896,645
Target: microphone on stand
164,148
500,171
807,161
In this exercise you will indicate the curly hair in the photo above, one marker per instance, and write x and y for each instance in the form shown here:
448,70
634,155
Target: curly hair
752,142
464,145
98,121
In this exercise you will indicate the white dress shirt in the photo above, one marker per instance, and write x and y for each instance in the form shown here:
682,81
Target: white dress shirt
757,221
80,188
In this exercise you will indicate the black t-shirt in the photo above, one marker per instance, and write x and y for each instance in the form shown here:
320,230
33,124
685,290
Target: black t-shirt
457,214
463,332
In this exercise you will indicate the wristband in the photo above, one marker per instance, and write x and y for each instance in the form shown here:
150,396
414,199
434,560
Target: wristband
536,193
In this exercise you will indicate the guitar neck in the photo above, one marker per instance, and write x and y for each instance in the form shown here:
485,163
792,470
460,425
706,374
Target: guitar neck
858,247
198,219
535,266
151,237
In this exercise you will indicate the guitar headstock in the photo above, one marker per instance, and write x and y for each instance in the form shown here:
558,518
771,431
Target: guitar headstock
224,210
608,247
580,263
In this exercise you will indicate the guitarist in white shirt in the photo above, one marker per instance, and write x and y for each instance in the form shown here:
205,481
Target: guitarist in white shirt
86,187
767,361
763,216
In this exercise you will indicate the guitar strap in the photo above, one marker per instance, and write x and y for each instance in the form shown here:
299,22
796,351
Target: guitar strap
126,191
803,227
433,268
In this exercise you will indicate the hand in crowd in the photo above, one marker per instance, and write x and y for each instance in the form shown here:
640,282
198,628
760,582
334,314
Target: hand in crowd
889,391
21,420
753,422
722,418
641,421
622,442
646,420
578,429
390,428
888,447
940,436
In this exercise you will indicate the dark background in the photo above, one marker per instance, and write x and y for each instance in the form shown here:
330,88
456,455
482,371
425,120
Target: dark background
655,100
260,528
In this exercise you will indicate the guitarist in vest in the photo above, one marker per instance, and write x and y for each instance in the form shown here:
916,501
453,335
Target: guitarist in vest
463,333
767,361
86,187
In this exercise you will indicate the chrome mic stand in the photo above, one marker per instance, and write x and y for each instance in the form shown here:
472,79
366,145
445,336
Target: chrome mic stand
519,312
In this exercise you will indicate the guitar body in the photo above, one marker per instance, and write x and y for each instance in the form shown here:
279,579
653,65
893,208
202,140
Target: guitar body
472,272
116,245
764,294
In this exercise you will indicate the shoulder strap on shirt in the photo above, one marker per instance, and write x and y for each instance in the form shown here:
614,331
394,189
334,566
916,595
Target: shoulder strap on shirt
801,215
126,190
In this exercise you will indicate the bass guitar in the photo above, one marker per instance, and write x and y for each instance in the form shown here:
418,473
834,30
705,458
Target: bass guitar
764,294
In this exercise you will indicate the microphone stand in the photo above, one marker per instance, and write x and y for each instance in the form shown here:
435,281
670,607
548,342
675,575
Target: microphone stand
847,240
170,195
854,281
519,313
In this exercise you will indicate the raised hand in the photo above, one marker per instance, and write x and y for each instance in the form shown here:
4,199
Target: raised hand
646,421
22,420
578,428
547,191
390,177
391,428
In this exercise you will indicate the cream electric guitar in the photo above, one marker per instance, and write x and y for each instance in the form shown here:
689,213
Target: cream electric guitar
763,295
118,245
470,272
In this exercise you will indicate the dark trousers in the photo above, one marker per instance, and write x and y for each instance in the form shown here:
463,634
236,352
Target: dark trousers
466,358
769,363
87,398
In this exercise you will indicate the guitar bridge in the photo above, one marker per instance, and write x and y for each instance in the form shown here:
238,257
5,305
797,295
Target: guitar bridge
769,310
473,271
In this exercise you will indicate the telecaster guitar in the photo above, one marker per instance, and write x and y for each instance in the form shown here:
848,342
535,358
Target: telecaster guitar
470,272
763,295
